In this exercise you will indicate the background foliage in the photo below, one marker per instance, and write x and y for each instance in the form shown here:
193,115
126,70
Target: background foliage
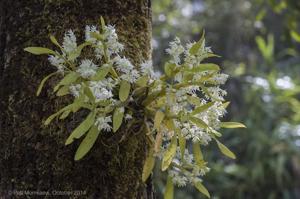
259,41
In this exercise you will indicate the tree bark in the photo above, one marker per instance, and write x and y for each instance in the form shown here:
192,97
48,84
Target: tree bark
33,157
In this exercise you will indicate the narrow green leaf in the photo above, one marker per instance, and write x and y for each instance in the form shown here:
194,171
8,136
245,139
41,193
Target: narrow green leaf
200,123
65,114
51,117
169,68
142,81
39,50
202,108
295,35
205,67
148,166
73,55
87,143
225,150
102,23
118,118
124,90
202,188
159,117
63,91
87,91
67,80
82,128
232,125
101,73
169,191
195,48
54,41
43,82
198,156
169,154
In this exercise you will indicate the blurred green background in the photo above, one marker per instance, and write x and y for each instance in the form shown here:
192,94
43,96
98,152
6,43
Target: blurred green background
259,45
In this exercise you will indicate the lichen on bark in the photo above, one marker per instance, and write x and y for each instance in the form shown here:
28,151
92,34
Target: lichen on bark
34,157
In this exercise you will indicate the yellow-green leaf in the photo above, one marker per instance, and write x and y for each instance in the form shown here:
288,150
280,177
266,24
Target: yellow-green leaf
65,114
142,81
202,108
43,82
148,166
54,41
67,80
82,128
198,156
200,123
206,67
195,48
118,118
202,188
101,74
63,91
158,142
232,125
169,154
169,68
225,150
39,50
51,117
124,90
87,143
169,190
159,117
295,35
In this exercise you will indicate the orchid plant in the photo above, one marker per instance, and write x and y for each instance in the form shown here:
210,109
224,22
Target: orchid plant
181,107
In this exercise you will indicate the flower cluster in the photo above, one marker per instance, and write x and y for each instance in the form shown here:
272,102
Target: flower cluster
180,108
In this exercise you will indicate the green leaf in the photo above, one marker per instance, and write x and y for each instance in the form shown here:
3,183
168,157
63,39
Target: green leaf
182,144
198,156
225,150
169,68
39,50
54,41
43,82
148,166
169,154
159,117
202,188
87,91
295,35
232,125
124,90
82,128
73,55
67,80
65,114
205,67
101,73
87,143
200,123
102,23
169,191
142,81
202,108
63,91
118,118
51,117
195,48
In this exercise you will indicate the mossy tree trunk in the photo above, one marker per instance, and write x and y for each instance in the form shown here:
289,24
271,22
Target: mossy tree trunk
33,157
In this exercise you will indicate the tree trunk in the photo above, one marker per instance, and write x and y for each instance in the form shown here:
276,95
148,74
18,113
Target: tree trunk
33,157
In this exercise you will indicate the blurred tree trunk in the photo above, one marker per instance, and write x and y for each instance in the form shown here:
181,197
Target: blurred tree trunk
33,157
